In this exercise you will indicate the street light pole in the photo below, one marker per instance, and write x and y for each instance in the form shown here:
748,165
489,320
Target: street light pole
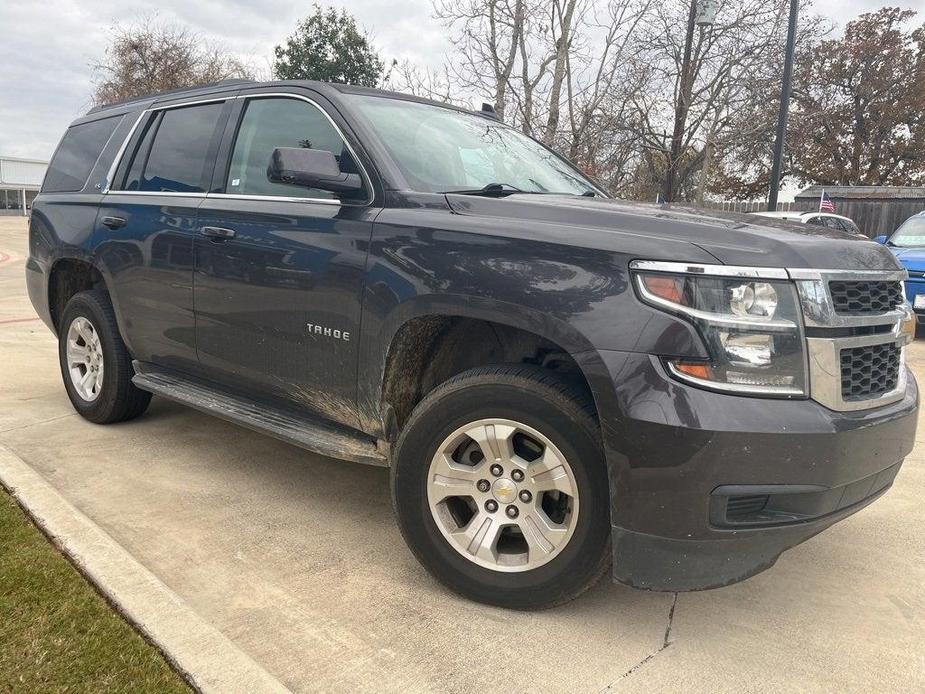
782,114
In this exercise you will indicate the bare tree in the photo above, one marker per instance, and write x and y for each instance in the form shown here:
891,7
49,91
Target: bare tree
729,63
405,76
151,56
487,36
604,82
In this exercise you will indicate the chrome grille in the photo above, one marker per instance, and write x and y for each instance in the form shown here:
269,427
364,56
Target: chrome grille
855,322
865,296
869,372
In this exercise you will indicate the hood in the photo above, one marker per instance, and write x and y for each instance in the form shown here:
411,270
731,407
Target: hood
731,238
911,258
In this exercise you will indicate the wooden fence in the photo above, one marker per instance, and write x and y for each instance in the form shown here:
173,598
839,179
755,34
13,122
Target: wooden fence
874,216
744,205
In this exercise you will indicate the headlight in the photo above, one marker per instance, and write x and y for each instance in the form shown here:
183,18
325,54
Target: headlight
751,328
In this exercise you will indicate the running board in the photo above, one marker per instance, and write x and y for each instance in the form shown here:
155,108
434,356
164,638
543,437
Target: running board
299,430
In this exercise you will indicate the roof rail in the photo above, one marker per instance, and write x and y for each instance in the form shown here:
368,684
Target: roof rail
180,90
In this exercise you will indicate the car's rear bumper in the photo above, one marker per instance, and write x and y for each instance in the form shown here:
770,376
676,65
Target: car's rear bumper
37,288
709,489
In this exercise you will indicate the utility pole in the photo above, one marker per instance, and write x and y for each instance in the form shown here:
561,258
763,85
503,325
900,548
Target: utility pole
778,162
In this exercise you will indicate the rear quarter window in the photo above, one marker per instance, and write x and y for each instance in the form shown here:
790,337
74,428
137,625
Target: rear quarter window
74,159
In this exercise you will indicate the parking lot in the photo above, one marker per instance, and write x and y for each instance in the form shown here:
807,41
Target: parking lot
297,560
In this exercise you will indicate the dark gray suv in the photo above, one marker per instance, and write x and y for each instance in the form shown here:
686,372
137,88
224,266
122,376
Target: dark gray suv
558,381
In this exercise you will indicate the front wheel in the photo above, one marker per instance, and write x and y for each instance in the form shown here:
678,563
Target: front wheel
500,487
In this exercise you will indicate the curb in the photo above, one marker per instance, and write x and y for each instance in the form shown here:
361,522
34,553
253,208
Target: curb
208,660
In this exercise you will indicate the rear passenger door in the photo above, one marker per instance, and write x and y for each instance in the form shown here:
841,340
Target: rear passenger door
147,222
278,288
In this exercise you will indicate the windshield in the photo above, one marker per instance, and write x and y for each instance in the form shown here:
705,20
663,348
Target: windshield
441,149
911,233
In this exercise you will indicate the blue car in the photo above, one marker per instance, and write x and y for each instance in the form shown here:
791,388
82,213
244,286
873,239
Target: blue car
908,244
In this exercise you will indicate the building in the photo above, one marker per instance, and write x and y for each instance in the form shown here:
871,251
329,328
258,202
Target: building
20,181
875,209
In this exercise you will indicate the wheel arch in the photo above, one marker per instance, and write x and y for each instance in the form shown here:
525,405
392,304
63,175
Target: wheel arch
425,342
67,276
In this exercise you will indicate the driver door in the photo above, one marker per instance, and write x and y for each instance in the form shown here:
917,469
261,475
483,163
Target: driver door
278,289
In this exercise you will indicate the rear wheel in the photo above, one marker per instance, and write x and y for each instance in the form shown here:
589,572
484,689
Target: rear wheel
500,487
95,363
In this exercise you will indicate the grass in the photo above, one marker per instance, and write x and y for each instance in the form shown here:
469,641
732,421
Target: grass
57,634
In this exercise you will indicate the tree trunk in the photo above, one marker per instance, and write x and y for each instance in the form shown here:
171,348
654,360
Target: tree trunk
562,48
686,83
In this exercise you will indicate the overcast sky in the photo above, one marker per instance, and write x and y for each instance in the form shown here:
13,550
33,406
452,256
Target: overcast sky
46,47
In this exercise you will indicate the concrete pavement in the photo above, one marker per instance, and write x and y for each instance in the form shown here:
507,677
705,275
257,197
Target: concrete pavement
297,560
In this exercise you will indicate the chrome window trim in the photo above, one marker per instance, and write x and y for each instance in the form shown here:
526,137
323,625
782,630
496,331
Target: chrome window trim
280,198
241,196
771,273
107,184
160,193
128,138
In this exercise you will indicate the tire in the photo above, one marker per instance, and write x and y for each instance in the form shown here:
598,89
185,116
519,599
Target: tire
116,399
517,569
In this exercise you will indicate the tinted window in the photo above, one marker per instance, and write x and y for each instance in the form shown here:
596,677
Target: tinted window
76,155
271,123
817,221
133,178
176,161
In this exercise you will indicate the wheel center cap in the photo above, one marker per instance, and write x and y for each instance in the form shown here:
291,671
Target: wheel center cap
504,490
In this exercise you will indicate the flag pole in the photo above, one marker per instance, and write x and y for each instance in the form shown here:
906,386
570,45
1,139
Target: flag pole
821,198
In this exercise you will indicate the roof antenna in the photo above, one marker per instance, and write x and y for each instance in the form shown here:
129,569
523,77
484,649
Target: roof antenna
489,111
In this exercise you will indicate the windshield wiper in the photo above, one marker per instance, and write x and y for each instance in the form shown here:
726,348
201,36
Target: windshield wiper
492,190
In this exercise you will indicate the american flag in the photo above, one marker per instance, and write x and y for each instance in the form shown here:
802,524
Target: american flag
825,203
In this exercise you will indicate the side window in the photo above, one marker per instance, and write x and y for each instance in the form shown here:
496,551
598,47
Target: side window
849,226
815,221
280,122
832,223
172,154
76,155
133,178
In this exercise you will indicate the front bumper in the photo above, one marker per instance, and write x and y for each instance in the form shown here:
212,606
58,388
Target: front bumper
709,488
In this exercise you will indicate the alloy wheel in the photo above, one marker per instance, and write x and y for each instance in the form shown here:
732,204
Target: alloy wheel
84,359
502,495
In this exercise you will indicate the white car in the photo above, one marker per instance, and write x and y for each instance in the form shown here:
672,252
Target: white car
822,219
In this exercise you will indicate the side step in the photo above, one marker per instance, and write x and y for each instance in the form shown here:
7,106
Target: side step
303,431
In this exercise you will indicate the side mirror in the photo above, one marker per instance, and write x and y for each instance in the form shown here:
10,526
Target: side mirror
311,168
881,240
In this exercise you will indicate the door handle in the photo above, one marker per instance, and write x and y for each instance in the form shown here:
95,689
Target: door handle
114,222
217,233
